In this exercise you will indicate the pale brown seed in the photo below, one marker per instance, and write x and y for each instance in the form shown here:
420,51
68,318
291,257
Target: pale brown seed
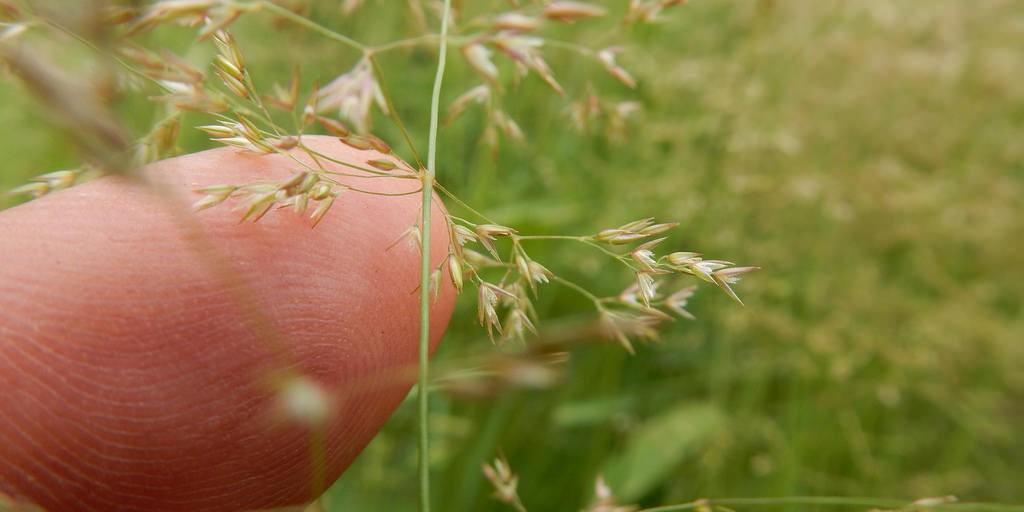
384,165
479,58
569,12
357,142
516,22
378,144
321,209
333,127
455,271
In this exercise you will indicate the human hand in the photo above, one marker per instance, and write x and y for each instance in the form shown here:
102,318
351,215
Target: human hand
147,353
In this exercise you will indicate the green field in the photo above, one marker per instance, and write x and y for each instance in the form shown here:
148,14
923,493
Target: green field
868,155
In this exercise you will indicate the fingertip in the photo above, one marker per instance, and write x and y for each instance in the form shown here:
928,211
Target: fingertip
149,347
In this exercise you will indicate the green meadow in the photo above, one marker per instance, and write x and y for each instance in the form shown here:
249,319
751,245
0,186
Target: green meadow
868,156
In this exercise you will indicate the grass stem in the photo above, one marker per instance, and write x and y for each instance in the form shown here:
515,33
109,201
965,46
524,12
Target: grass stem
428,191
303,21
834,501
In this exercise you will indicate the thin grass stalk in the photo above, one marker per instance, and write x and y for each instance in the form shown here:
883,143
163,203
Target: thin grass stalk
303,21
428,192
836,501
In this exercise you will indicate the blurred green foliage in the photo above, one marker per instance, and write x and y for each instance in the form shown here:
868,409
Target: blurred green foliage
868,155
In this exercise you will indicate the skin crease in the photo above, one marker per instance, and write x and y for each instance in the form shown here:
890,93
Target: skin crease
141,344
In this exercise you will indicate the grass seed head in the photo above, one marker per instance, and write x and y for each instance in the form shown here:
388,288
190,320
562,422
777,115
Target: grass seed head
455,271
647,288
683,259
291,184
353,94
34,189
332,126
302,400
53,181
657,229
480,94
487,315
322,207
525,52
435,283
507,125
726,277
704,268
517,325
623,326
632,232
167,11
300,203
348,7
486,234
218,19
516,22
258,205
644,255
286,143
383,165
378,144
488,297
604,499
463,234
218,131
677,302
229,65
479,58
477,260
214,195
357,142
413,236
570,12
539,274
320,191
505,482
936,501
647,11
12,31
286,99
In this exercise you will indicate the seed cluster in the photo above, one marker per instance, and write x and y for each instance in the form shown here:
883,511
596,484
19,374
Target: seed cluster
492,257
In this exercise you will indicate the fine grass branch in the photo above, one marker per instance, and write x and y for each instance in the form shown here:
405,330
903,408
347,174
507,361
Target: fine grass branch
423,399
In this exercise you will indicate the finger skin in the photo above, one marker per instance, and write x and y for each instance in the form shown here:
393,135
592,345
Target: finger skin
139,346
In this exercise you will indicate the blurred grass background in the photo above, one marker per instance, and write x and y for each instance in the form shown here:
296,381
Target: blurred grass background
868,155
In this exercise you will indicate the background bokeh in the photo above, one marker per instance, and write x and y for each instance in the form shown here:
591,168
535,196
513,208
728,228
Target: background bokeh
868,155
